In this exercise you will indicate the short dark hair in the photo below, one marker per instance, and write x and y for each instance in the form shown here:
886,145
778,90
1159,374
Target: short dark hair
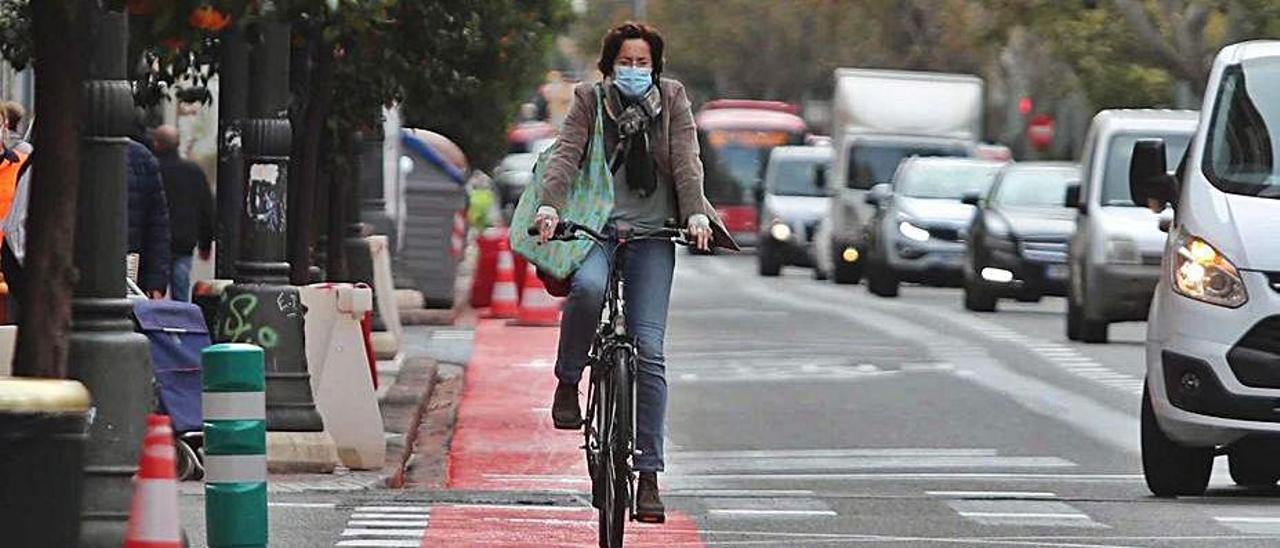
612,44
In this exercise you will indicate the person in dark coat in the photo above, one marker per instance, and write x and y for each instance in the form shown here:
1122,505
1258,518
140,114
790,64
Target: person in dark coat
191,222
148,221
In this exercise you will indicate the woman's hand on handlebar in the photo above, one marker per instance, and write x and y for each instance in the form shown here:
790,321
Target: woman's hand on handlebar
700,231
546,220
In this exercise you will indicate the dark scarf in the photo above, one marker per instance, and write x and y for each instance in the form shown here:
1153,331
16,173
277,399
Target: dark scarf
634,118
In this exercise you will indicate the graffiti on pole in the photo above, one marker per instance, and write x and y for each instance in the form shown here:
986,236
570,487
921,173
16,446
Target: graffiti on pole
264,202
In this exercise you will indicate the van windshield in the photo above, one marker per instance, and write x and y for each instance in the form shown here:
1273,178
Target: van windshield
797,177
871,163
1115,177
1242,155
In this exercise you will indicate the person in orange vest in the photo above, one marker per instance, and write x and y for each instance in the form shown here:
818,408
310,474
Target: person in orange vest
11,162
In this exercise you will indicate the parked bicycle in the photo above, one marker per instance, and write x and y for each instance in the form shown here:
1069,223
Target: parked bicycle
609,423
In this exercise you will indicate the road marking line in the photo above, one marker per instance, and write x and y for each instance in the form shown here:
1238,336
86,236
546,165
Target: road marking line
1247,519
417,533
390,516
381,543
835,453
739,493
753,512
384,523
526,507
993,494
1028,515
302,504
418,509
925,476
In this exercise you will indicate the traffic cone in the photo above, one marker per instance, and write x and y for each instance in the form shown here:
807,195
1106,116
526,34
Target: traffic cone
537,307
153,517
505,299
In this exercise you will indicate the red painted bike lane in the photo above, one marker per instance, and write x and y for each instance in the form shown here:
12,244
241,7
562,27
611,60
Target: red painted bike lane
504,441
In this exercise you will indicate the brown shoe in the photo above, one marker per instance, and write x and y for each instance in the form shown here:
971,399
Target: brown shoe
649,508
564,410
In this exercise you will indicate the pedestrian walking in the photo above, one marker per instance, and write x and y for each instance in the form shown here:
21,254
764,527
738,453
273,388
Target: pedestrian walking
148,221
652,147
13,115
191,223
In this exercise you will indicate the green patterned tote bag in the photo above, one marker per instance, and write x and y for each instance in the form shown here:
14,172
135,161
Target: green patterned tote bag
590,203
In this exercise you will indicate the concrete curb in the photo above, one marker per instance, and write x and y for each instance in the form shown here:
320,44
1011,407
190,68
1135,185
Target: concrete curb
403,409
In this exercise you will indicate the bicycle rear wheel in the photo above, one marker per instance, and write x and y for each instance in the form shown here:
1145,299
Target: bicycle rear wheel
614,482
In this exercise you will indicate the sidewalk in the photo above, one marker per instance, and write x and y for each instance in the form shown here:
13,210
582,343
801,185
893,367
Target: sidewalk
505,446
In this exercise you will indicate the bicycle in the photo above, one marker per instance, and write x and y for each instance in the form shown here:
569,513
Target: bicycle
609,422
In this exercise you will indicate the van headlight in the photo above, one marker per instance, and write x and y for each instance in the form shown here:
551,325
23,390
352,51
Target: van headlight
1122,250
1200,272
780,232
913,232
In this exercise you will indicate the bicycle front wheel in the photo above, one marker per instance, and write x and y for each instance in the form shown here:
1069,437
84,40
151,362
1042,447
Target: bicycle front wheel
614,481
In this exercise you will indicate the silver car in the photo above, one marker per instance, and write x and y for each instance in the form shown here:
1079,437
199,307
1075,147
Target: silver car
1115,254
796,198
918,231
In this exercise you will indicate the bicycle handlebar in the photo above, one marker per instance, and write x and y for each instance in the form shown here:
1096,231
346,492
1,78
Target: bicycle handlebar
568,231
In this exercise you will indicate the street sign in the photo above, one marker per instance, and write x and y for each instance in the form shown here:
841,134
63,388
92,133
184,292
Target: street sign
1040,131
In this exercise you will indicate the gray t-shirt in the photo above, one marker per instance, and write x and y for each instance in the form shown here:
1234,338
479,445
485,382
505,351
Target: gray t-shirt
647,212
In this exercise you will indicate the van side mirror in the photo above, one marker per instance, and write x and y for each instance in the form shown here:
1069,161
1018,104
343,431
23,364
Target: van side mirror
879,194
1071,197
971,198
1150,184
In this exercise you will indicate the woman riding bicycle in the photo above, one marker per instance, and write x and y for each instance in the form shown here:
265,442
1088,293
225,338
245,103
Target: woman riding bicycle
652,147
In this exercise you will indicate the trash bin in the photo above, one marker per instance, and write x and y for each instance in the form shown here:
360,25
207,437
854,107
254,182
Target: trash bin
44,424
434,195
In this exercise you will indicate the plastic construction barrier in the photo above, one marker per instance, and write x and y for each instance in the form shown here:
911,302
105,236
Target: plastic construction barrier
338,362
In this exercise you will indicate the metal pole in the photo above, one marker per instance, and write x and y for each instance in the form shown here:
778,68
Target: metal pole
260,308
640,10
106,354
233,107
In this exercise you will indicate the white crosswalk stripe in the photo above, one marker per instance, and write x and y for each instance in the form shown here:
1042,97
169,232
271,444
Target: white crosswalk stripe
1016,509
387,525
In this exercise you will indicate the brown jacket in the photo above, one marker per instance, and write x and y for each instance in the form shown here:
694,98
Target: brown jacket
675,149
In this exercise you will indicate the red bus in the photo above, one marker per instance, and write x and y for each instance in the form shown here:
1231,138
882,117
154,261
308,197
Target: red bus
736,137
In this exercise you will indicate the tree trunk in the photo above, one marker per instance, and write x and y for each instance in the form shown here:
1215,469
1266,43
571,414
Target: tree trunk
340,206
307,139
45,303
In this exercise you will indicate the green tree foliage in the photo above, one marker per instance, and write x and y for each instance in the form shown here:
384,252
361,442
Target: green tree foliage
477,61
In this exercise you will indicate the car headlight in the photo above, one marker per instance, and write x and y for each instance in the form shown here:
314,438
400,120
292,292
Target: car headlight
1121,250
1200,272
913,232
780,231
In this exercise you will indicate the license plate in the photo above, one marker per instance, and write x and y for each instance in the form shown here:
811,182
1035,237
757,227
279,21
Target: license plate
1057,272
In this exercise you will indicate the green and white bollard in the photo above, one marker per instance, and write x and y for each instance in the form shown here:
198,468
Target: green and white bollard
235,445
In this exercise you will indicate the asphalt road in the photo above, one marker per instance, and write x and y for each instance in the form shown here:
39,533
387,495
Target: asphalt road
803,413
809,414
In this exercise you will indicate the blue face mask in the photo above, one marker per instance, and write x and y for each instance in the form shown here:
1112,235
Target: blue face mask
633,81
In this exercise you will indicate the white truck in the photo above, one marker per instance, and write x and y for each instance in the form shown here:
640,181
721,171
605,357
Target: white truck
880,117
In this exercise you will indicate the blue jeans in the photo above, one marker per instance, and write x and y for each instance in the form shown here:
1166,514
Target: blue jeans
180,279
649,267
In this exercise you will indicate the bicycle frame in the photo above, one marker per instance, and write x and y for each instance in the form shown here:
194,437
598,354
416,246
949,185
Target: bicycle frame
612,354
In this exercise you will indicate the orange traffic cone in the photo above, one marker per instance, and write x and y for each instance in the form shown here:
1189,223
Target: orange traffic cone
537,307
153,517
505,300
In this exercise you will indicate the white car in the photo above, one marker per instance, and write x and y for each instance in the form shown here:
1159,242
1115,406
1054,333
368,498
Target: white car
1213,341
1114,257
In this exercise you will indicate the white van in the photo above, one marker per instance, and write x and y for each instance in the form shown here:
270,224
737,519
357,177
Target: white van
1213,338
1114,257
